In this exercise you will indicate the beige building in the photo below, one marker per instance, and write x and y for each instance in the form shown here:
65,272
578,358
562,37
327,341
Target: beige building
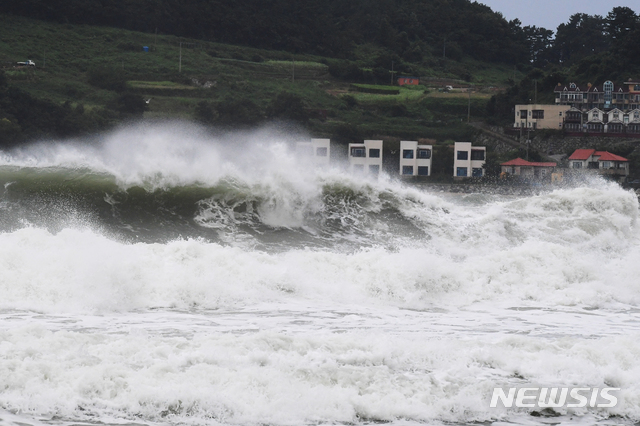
528,169
540,116
317,150
468,160
366,157
415,159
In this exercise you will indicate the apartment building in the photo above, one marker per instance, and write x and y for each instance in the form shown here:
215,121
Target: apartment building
366,157
415,159
468,160
318,150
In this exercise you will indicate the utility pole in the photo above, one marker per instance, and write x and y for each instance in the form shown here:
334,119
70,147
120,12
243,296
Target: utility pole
392,72
469,107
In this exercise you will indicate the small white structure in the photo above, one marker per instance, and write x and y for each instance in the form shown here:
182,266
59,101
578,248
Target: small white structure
319,150
415,160
468,160
366,157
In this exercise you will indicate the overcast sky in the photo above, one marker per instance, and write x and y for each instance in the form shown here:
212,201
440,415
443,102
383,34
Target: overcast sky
551,13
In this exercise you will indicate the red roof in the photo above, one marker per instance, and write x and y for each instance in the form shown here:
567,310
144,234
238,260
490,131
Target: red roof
584,154
521,162
607,156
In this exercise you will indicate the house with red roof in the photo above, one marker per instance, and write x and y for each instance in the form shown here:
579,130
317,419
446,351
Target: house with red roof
602,161
524,168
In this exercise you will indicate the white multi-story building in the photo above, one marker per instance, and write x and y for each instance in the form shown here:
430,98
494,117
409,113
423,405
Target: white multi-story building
415,160
317,149
468,160
366,157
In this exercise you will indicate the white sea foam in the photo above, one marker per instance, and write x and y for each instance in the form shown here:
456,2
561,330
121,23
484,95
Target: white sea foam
517,251
409,327
161,156
284,378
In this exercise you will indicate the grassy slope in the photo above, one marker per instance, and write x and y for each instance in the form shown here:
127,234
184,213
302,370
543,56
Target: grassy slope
65,53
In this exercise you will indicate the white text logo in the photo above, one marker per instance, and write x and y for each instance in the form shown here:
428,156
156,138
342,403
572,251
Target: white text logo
554,397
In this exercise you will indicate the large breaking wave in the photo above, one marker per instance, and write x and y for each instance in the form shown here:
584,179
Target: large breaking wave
161,275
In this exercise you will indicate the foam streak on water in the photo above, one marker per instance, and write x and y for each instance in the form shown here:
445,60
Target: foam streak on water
163,276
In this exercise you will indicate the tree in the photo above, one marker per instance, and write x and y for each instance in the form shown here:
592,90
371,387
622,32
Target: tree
540,42
287,106
238,113
130,105
620,22
582,36
205,113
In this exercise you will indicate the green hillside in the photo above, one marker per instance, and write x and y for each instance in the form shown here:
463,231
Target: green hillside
101,75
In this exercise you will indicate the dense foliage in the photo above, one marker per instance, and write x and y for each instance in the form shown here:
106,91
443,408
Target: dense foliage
586,49
413,29
23,117
358,41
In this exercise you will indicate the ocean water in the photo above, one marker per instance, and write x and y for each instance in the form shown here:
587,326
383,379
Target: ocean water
159,275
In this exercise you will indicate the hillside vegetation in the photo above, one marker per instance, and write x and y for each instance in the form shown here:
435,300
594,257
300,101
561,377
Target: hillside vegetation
321,66
88,78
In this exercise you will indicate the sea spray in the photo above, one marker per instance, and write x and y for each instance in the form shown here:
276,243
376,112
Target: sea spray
162,275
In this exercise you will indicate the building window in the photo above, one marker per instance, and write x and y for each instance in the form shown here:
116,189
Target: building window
577,164
523,113
424,153
477,155
476,172
407,153
374,153
463,155
537,114
321,152
606,165
560,114
423,170
358,152
461,171
407,170
374,169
